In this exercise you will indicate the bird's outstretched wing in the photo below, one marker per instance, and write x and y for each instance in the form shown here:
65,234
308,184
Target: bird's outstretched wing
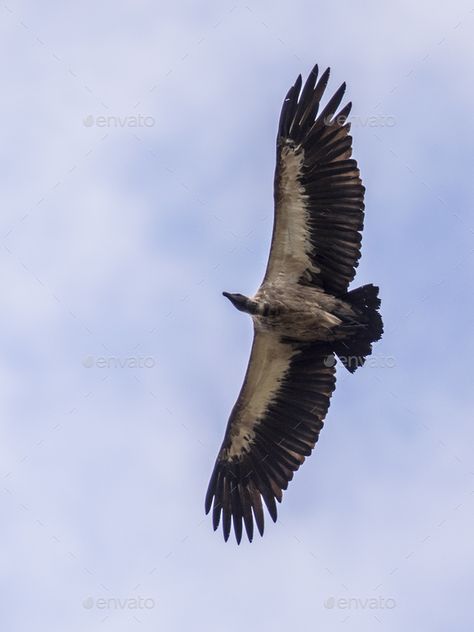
319,197
274,425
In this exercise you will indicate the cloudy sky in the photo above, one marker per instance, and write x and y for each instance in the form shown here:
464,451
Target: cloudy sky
137,153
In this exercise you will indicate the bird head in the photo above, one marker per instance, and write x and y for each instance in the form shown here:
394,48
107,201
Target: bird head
238,300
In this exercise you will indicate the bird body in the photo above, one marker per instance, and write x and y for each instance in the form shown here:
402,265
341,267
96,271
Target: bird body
300,313
304,315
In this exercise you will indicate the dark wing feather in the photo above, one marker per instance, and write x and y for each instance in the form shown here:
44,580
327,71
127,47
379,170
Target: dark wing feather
274,425
319,197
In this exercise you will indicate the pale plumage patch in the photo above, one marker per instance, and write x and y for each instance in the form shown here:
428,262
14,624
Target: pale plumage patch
291,245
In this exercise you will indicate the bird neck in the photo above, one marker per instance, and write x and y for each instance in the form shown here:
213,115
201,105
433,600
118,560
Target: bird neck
251,306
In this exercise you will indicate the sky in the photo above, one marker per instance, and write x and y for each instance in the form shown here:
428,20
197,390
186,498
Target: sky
137,155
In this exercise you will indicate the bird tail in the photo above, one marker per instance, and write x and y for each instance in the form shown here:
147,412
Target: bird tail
353,351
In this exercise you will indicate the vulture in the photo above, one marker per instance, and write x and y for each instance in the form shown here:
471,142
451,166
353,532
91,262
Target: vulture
304,316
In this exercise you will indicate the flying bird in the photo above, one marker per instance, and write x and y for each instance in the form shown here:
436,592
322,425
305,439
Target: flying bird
304,315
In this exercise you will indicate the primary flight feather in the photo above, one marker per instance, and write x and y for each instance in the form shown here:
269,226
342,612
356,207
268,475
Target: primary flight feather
303,313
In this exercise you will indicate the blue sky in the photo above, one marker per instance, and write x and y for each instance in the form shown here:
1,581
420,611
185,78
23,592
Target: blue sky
137,149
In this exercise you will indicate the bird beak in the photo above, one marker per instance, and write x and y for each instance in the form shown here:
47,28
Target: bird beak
235,300
229,296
